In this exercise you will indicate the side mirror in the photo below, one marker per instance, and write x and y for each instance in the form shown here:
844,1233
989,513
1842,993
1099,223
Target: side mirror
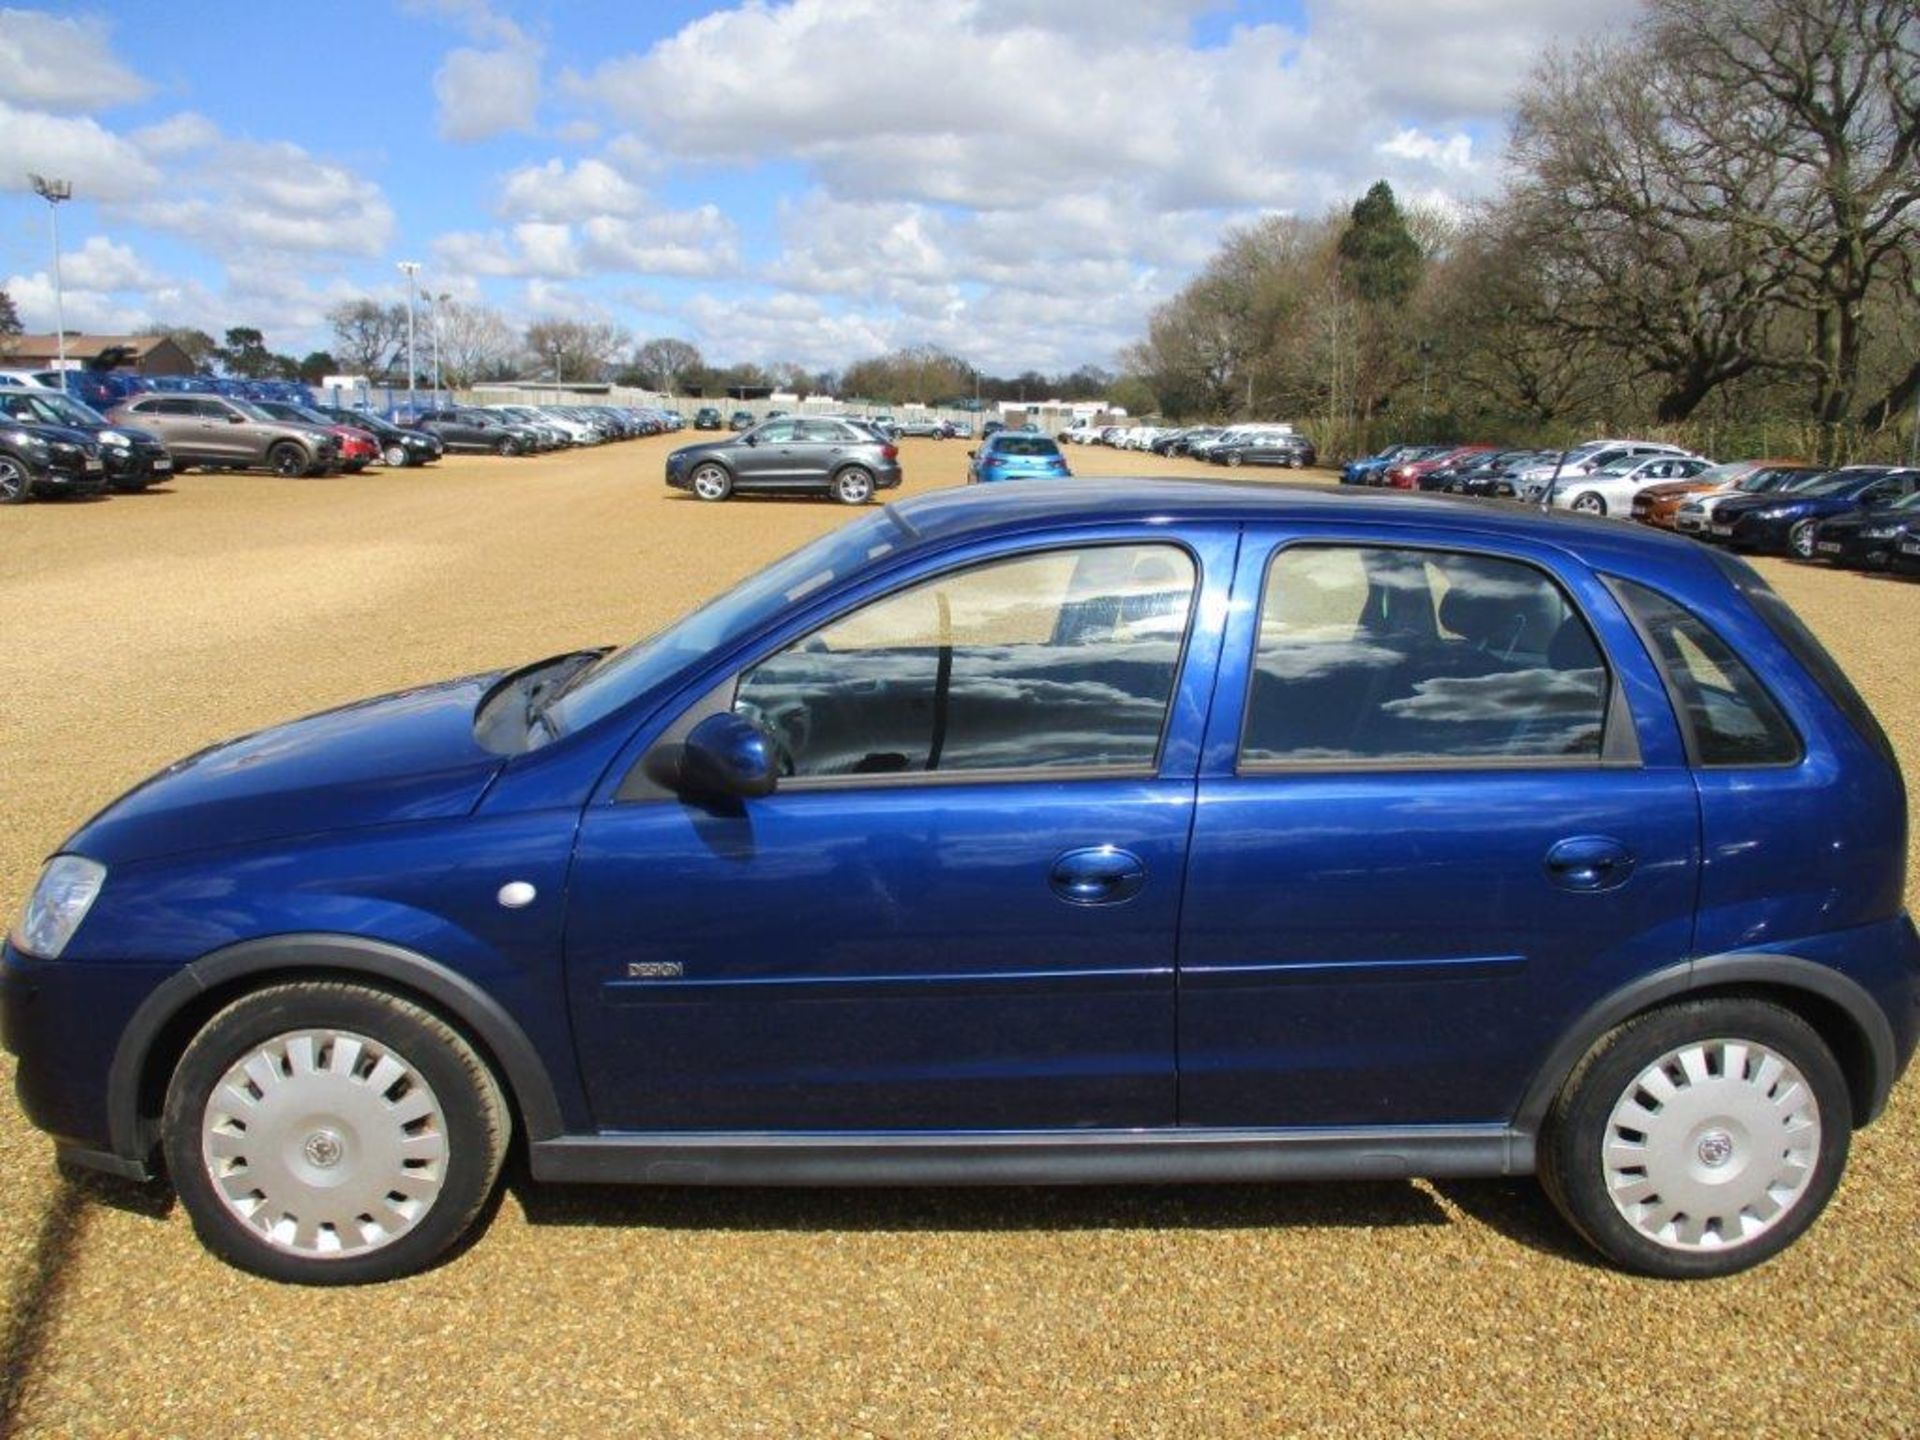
749,439
727,755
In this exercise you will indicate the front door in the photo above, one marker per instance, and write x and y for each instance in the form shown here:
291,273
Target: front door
958,910
1443,810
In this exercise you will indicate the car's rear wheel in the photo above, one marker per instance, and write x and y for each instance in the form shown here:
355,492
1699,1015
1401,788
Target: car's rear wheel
287,460
327,1133
1233,459
395,455
507,445
1800,539
853,486
15,484
711,482
1699,1139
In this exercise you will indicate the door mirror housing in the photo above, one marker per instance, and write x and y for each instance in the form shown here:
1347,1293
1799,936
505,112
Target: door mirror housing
727,755
749,439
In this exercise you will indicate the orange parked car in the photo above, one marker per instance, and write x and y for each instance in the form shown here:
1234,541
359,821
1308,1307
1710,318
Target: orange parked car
1658,504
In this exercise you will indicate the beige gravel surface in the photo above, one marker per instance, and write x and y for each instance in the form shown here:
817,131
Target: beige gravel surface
137,629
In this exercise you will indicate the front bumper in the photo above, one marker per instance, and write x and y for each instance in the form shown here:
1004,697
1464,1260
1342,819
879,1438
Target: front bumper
71,475
1854,550
63,1020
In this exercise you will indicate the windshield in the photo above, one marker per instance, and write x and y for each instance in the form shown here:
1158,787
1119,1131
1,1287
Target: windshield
627,674
59,409
1830,484
249,409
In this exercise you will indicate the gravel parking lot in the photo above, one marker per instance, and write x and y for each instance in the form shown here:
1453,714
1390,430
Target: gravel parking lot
142,628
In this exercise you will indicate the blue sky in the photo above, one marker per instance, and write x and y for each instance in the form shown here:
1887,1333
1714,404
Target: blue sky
1019,181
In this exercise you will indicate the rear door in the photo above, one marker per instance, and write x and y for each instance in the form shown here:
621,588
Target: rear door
1443,808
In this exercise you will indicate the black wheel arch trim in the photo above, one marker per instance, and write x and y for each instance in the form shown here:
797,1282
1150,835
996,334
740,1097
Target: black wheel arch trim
1717,972
464,1002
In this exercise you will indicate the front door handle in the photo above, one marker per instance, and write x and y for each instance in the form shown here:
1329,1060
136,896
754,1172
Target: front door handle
1589,862
1097,875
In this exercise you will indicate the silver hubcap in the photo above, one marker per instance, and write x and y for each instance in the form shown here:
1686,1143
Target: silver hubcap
1803,538
1712,1145
396,456
12,479
709,484
1587,504
853,487
325,1143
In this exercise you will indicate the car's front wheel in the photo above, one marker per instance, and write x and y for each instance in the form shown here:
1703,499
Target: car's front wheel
395,455
287,460
1589,503
15,483
506,445
711,482
853,486
327,1133
1801,539
1699,1139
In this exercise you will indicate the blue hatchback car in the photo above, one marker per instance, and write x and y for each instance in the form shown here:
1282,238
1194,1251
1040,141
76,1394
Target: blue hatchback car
1122,833
1016,455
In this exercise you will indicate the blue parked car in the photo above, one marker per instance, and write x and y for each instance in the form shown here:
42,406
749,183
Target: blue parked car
1785,521
1016,455
1119,832
1366,470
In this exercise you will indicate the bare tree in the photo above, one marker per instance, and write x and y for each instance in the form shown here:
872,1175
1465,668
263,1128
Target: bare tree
476,343
1824,97
664,360
367,335
575,349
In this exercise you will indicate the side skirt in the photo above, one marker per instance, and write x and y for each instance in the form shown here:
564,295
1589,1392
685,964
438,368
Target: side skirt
1038,1157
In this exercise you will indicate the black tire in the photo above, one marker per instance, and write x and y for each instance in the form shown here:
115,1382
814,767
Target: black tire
1575,1138
456,1079
1587,502
507,446
711,481
853,485
1801,539
16,484
288,460
396,456
1233,459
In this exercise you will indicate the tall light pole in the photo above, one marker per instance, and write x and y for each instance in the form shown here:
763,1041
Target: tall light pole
53,192
411,269
436,302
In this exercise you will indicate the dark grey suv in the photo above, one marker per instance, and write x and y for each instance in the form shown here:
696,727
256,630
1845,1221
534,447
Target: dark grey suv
838,457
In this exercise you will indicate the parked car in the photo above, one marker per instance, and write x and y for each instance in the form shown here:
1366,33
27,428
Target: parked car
1658,505
1783,523
481,431
959,429
1906,550
1269,447
1016,455
708,418
923,427
216,433
1114,874
399,445
1609,489
1406,474
131,459
1865,539
359,447
50,461
1696,514
1367,469
832,457
740,420
1490,476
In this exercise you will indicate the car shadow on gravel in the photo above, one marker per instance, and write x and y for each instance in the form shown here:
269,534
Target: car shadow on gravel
1366,1205
1519,1211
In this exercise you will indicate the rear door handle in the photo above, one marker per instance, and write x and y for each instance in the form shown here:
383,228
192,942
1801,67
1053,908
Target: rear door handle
1097,875
1589,862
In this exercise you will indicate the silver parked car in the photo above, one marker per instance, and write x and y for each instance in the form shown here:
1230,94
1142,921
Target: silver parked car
841,458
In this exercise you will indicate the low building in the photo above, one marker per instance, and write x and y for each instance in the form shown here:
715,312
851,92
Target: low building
142,354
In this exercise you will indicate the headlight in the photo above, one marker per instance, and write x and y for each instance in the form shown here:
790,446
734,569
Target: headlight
1880,532
115,437
68,887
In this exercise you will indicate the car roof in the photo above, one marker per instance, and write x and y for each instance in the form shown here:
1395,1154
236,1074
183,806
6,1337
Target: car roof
981,511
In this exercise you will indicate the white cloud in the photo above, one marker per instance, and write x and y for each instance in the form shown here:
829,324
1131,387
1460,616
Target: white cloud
100,164
554,192
240,195
483,93
177,135
697,242
1451,153
62,63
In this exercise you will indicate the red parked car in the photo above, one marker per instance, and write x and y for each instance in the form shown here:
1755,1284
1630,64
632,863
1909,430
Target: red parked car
358,448
1407,476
